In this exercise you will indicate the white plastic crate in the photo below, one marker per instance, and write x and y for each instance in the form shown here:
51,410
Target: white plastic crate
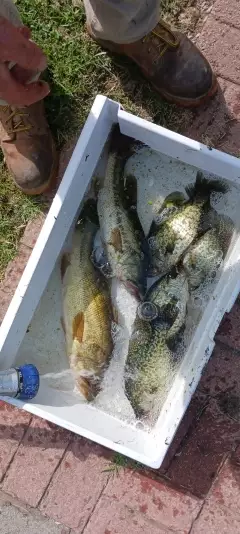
37,299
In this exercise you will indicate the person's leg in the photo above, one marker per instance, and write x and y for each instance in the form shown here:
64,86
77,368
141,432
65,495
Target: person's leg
173,64
9,11
25,137
123,21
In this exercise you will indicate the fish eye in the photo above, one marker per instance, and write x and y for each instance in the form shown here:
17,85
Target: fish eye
106,269
99,260
148,311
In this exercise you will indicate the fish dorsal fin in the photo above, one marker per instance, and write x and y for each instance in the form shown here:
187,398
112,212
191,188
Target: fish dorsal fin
78,327
116,240
88,387
203,187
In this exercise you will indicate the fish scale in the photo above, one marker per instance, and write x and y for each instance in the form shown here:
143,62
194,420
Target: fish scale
204,257
121,243
86,313
149,366
171,238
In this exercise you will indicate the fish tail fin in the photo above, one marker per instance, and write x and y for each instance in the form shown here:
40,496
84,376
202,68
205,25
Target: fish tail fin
88,387
203,187
121,144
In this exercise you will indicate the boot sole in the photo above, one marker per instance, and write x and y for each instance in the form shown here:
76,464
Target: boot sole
178,101
47,186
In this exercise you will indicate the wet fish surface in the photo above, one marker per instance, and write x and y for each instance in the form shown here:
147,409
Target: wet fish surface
86,312
204,257
170,206
166,303
121,231
171,239
149,367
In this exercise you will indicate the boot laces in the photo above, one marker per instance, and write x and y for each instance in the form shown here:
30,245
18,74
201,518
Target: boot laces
17,119
166,37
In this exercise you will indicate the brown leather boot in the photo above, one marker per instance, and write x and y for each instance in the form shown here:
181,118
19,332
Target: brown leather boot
172,63
28,147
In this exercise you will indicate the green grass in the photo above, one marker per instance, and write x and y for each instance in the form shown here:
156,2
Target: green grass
77,71
16,210
120,462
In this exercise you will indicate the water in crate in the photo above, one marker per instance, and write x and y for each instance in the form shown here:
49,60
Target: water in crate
145,256
184,247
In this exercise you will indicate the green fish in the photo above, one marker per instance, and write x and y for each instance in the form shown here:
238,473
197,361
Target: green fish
149,367
166,303
121,231
170,240
204,257
86,312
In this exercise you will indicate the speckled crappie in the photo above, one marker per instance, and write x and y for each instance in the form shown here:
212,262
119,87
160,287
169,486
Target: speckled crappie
86,312
166,303
204,257
149,367
170,240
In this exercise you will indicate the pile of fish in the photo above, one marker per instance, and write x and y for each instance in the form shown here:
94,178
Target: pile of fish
186,245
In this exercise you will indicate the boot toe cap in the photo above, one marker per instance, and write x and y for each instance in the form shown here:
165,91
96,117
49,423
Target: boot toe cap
32,165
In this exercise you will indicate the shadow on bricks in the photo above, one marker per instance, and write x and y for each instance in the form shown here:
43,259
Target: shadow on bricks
217,124
210,430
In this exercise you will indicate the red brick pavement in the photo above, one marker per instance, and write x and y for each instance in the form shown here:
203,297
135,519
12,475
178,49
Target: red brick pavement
197,489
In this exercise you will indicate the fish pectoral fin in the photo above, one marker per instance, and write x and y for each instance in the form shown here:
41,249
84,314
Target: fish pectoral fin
65,262
116,240
78,327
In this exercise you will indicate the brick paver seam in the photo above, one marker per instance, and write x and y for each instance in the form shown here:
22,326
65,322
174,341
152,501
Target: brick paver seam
221,21
226,455
19,443
54,471
228,25
97,501
167,530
